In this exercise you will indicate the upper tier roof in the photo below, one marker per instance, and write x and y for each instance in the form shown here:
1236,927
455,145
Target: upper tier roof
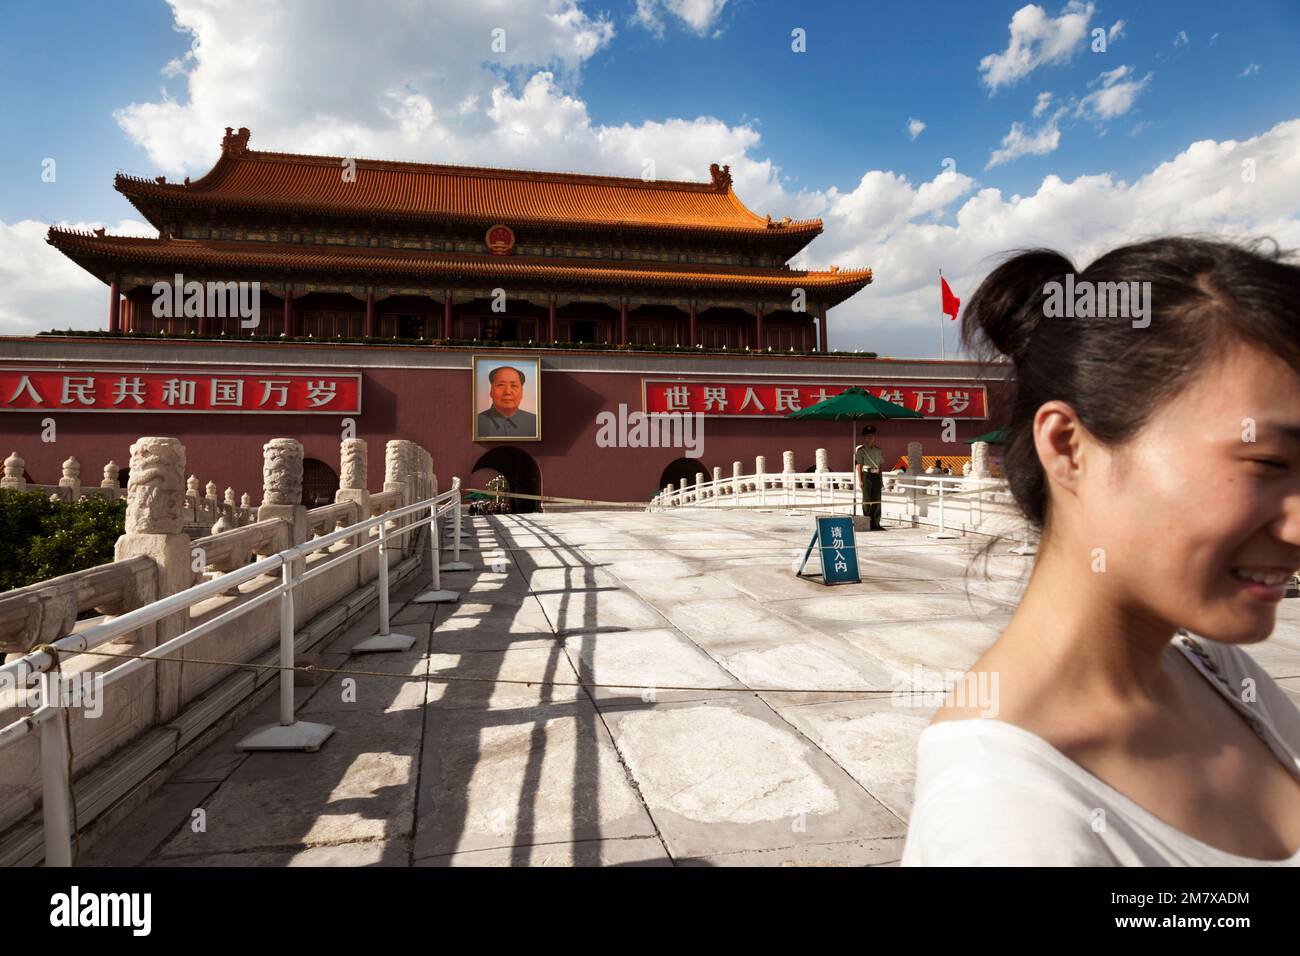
249,179
101,254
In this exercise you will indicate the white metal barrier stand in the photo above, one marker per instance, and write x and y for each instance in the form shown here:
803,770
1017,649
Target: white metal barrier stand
943,532
456,564
289,733
56,806
438,595
384,640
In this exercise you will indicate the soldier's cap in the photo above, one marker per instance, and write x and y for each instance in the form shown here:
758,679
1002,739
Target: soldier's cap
869,430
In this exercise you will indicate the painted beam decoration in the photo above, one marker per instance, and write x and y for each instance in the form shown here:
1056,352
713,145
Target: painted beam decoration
768,399
211,392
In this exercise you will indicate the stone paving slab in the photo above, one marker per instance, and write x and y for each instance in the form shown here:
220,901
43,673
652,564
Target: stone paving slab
730,774
656,657
549,775
639,851
359,785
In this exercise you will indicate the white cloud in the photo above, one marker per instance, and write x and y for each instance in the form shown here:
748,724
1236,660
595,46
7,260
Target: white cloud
1116,96
1250,70
699,16
334,79
1021,141
1036,40
1040,107
1116,31
914,128
1181,39
1198,191
43,288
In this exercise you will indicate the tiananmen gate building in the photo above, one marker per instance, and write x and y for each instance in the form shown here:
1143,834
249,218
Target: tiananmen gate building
287,294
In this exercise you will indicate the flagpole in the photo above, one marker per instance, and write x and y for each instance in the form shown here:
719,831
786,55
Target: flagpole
943,348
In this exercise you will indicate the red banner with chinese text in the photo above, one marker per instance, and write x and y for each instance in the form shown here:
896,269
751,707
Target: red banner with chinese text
778,399
267,392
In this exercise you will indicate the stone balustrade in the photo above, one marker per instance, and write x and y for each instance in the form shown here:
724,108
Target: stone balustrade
157,557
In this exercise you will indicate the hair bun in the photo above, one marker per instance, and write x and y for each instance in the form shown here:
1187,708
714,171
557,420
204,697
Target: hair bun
1006,308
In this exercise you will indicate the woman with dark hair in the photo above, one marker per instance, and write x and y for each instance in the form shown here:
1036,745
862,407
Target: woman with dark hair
1127,726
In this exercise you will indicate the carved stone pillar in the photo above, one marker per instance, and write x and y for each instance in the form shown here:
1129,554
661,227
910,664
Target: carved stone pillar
282,486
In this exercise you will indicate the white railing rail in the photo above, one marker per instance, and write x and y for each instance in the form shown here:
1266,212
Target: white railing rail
50,718
836,492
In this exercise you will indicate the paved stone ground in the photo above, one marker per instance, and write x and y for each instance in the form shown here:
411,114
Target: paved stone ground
754,769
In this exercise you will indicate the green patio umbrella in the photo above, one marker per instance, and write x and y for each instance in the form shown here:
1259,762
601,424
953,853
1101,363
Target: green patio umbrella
855,405
996,437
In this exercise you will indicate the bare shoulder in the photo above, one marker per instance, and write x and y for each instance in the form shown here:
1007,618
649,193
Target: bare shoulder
998,685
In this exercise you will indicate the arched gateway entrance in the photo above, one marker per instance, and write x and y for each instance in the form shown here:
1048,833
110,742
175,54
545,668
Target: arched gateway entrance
518,468
682,468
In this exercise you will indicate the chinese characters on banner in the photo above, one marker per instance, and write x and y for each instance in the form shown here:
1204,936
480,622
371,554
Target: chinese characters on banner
778,399
210,392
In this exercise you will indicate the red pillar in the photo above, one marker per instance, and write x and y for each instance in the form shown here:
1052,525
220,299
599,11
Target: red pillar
448,325
821,331
114,304
370,315
550,323
289,328
694,339
128,314
758,329
622,324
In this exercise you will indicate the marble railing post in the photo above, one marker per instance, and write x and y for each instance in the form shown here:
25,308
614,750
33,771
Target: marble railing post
110,484
398,455
282,486
155,529
193,513
735,479
914,458
353,467
210,501
717,481
13,478
787,469
760,469
979,452
71,479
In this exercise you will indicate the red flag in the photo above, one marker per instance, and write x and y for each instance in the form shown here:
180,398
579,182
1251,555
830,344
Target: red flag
950,302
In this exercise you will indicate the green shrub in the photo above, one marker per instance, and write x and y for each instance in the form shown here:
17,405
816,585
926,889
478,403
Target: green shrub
42,539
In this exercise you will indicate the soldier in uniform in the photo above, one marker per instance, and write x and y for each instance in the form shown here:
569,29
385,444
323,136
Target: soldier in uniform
867,461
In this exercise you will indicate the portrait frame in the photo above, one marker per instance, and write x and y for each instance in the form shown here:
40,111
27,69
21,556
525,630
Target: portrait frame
481,403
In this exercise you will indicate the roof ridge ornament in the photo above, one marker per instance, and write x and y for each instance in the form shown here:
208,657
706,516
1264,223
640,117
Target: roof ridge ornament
721,176
235,143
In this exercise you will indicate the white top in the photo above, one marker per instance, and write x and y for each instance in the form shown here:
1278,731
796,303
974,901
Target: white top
989,793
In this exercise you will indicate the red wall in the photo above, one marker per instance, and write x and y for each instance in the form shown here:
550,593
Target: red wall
432,406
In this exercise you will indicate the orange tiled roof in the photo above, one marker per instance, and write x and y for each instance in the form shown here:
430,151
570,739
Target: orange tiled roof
285,181
249,257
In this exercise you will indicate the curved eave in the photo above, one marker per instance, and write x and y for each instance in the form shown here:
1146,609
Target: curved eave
146,197
102,255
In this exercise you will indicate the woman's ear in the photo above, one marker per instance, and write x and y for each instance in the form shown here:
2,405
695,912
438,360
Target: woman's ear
1058,440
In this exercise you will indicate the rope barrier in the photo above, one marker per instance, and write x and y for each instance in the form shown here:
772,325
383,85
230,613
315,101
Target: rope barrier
450,679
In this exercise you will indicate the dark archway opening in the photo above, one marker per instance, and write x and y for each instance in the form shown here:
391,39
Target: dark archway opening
319,483
683,468
519,471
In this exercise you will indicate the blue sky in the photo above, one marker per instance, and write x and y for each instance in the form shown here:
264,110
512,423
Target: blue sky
802,129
